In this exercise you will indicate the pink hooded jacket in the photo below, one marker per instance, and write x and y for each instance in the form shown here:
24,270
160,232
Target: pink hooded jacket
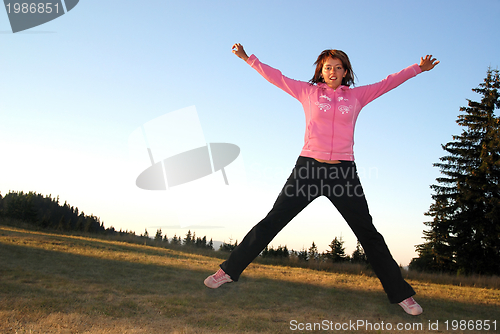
331,114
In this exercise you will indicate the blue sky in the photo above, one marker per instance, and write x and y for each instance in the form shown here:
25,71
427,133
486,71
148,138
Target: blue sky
75,89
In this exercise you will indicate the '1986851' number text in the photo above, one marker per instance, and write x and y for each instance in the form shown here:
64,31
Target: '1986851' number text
32,8
477,325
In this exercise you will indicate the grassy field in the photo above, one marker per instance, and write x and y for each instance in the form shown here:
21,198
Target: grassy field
53,283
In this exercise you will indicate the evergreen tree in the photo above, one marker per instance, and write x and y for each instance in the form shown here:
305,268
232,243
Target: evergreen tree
283,252
79,222
228,247
337,250
302,255
280,252
359,256
69,225
313,252
188,238
176,240
62,225
265,252
158,235
89,222
201,242
464,234
20,206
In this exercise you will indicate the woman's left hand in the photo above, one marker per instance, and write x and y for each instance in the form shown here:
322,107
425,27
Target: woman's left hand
428,63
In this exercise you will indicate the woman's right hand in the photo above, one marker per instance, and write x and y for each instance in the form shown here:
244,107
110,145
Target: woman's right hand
239,51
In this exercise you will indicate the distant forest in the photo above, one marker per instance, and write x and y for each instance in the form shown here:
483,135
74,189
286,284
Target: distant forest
45,212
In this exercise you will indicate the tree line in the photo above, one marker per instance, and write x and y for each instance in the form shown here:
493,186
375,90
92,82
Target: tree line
190,240
335,254
46,212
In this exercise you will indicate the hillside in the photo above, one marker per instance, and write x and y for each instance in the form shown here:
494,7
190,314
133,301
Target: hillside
52,283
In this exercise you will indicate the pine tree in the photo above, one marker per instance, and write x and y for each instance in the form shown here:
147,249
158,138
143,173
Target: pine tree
158,235
464,235
337,250
88,227
188,239
69,225
265,252
20,206
359,256
313,252
176,240
79,223
283,252
62,225
193,239
302,255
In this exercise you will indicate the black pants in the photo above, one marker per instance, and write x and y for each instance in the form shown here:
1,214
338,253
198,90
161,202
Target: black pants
340,183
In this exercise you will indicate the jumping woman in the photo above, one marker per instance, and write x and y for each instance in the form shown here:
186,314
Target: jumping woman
326,166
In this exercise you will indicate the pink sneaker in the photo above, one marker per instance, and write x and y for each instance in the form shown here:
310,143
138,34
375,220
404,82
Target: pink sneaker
411,306
217,279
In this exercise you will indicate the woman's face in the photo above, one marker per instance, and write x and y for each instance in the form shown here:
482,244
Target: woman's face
333,72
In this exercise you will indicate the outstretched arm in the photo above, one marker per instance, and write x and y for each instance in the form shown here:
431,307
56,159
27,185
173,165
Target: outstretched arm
239,51
295,88
428,63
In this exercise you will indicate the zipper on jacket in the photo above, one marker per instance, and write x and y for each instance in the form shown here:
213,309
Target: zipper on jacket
308,124
333,123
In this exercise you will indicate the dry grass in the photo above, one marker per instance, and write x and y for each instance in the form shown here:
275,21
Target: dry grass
64,284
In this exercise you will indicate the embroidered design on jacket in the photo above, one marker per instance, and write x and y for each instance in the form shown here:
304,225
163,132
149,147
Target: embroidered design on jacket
325,97
323,106
345,109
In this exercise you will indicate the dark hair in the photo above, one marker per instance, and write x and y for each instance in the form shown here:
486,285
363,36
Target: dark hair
335,54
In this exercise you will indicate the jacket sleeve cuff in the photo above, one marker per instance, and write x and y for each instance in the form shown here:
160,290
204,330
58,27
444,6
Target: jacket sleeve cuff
251,59
417,69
